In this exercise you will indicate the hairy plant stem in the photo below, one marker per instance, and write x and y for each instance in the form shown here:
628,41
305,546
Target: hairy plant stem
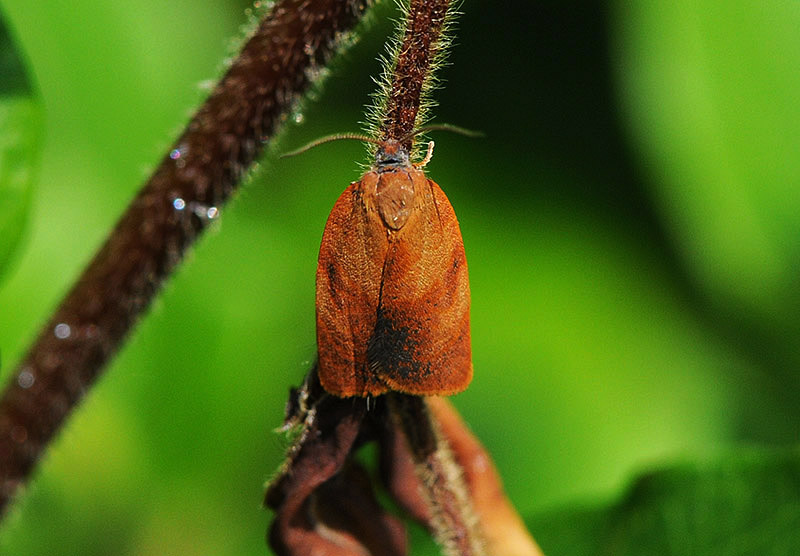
198,174
414,65
453,520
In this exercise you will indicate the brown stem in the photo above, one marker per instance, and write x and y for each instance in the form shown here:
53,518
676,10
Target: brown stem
412,71
452,517
197,176
503,529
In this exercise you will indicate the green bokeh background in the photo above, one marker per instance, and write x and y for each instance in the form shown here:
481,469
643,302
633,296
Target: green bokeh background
632,224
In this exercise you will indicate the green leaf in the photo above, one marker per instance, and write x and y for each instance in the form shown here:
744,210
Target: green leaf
20,139
743,504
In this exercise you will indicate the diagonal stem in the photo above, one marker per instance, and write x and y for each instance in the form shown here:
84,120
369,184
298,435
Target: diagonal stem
453,520
197,176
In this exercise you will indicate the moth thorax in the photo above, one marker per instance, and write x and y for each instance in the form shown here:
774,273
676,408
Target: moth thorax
394,195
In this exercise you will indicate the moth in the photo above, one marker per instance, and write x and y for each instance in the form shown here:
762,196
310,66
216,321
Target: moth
392,290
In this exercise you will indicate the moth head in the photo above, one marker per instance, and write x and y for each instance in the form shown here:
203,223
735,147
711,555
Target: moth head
391,153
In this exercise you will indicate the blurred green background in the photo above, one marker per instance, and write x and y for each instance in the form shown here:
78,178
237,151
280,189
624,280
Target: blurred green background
632,224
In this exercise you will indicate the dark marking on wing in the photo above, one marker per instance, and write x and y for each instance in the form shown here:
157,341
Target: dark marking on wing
331,277
391,348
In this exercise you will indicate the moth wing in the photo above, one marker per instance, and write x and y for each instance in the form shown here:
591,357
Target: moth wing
348,280
421,342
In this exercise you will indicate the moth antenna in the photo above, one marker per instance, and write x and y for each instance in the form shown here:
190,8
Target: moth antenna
442,127
422,163
328,139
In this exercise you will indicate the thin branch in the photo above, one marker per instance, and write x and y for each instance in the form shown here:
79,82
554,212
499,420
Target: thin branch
202,169
417,57
452,518
502,527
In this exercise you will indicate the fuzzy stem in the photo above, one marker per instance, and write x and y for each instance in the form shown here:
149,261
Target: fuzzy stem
198,174
503,529
413,67
453,520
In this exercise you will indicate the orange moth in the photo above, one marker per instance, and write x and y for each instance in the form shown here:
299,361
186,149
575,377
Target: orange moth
392,295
